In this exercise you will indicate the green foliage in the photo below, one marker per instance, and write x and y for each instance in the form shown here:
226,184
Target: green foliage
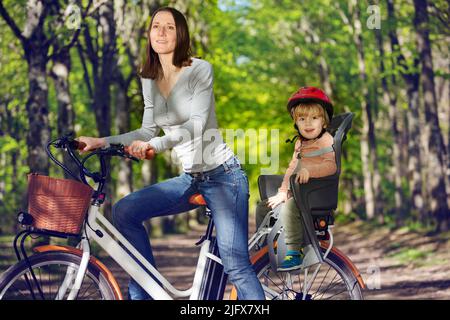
262,51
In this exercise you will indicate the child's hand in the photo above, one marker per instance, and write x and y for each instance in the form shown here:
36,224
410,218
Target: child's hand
280,197
303,176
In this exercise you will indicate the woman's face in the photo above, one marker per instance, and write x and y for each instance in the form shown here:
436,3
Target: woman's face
163,33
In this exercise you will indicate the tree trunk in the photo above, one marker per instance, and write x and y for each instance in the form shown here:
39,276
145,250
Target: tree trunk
411,79
149,172
415,162
3,176
436,148
35,45
66,114
324,74
390,100
368,148
103,60
123,125
37,109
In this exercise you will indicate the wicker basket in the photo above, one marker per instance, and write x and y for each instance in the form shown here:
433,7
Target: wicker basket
57,204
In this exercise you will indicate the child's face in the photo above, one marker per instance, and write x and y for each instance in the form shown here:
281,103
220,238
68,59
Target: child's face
310,125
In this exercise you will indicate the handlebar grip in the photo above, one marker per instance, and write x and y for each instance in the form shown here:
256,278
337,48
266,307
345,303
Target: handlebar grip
79,145
149,154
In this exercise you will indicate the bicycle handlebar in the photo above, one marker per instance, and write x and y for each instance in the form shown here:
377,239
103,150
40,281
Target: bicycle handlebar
149,154
69,144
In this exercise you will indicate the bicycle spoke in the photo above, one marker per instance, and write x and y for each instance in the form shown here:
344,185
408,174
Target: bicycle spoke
330,286
86,290
326,281
324,277
329,298
50,277
267,278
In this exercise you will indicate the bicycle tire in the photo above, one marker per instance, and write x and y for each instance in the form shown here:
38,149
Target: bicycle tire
13,283
351,289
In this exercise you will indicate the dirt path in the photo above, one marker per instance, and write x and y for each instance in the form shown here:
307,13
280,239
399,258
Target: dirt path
394,264
398,264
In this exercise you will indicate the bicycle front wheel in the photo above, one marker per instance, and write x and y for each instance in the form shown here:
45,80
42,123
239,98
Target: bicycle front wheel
53,272
332,281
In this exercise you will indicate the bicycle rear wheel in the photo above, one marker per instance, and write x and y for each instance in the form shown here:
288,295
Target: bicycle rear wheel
50,269
333,281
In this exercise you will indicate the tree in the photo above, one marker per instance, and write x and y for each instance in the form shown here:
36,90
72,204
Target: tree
408,71
35,45
395,114
368,141
436,149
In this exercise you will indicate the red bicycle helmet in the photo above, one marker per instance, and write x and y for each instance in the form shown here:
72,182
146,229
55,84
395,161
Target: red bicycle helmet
310,94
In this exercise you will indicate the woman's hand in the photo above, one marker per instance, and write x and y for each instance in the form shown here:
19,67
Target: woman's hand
303,176
91,143
280,197
139,148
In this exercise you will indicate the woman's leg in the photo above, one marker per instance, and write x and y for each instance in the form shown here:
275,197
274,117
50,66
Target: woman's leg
226,194
161,199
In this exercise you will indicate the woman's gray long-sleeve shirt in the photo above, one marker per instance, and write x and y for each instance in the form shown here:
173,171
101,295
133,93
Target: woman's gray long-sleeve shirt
187,117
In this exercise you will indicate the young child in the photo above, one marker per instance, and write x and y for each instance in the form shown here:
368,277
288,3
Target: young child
313,157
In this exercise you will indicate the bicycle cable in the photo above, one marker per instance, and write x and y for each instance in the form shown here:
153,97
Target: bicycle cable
97,232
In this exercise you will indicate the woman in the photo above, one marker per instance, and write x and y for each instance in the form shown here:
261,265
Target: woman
178,97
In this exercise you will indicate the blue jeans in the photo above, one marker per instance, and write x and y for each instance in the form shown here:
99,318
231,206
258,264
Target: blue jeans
225,190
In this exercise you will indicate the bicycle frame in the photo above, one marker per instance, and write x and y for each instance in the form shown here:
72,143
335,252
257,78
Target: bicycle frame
102,231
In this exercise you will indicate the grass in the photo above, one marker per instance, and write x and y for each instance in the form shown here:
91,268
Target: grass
444,236
411,256
6,239
346,218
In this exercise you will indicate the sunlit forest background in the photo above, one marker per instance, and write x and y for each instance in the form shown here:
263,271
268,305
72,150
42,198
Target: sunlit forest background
73,66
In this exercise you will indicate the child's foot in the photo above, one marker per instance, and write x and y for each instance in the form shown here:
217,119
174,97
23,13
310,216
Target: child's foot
292,261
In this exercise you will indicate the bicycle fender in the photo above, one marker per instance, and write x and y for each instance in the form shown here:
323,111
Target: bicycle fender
347,261
103,269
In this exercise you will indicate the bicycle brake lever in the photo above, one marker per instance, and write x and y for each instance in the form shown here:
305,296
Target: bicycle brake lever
121,150
128,156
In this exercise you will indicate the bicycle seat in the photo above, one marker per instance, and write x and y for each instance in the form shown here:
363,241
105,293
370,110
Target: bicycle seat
197,199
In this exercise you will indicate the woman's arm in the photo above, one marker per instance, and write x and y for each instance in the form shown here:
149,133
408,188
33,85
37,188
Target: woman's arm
148,129
202,100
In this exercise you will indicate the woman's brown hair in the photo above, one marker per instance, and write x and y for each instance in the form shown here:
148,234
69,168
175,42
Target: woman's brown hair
182,56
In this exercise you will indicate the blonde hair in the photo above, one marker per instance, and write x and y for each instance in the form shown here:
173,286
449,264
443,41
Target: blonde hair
305,109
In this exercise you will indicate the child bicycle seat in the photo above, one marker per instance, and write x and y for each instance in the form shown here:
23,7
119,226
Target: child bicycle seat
318,198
